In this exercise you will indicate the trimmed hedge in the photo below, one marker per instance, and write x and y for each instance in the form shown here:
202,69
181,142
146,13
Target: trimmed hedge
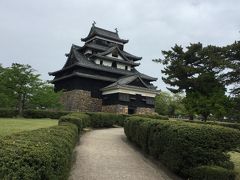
153,116
100,119
225,124
8,113
38,154
183,146
43,114
81,120
95,120
212,172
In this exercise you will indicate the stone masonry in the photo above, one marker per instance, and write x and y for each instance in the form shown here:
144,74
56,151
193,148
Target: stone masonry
141,110
81,101
119,109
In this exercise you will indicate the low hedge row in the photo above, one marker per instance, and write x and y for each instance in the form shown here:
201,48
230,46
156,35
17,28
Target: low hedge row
9,113
225,124
101,119
153,116
39,154
211,173
95,120
81,120
183,146
43,114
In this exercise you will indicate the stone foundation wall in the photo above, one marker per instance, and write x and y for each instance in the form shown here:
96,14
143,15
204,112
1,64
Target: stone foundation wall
81,101
119,109
141,110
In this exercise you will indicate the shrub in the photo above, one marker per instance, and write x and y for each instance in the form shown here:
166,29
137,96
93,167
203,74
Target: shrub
43,114
225,124
182,146
153,116
81,120
8,113
38,154
212,172
100,119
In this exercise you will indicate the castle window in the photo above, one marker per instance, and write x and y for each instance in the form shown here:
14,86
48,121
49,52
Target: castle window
114,64
150,100
126,67
101,62
124,97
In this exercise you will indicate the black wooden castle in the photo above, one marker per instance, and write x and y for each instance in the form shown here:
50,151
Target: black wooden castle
101,76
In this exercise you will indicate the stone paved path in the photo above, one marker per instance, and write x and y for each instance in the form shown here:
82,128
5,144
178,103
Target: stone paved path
106,154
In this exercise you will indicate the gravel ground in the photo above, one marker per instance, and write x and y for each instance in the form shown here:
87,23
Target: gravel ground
106,154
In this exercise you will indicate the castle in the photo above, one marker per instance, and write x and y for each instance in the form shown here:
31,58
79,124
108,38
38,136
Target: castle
102,76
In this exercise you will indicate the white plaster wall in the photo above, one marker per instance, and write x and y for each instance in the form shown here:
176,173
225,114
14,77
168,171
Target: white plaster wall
110,55
107,63
97,61
133,92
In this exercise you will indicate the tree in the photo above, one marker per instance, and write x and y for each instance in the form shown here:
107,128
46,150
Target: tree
232,56
195,71
19,81
169,104
44,97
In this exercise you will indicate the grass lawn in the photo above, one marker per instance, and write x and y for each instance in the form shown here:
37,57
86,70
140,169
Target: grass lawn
235,158
10,125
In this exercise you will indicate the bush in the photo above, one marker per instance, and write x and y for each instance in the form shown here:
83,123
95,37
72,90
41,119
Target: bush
43,114
225,124
100,119
182,146
38,154
81,120
212,172
8,113
153,116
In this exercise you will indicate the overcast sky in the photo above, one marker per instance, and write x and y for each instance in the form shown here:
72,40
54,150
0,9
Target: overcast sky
39,33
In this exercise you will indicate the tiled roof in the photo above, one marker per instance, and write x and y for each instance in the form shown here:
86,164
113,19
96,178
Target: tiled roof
82,61
103,33
104,48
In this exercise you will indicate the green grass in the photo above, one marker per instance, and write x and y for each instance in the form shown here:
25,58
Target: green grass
9,126
235,158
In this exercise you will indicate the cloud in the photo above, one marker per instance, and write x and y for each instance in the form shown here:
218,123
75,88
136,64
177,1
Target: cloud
39,33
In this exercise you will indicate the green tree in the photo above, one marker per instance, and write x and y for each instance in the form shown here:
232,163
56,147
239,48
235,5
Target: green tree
232,57
44,97
195,71
169,104
19,82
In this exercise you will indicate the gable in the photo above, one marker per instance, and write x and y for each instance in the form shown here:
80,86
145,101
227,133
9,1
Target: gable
137,82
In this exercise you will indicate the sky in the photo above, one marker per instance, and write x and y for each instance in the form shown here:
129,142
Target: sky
39,33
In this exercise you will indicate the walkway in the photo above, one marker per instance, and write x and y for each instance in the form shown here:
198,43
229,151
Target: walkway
107,155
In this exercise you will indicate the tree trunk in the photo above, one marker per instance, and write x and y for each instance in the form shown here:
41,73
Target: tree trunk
191,117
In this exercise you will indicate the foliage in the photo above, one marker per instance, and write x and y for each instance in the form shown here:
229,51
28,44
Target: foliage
38,154
232,77
43,114
95,120
21,88
152,116
100,119
225,124
212,172
195,71
169,104
81,120
18,82
8,113
183,146
44,97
